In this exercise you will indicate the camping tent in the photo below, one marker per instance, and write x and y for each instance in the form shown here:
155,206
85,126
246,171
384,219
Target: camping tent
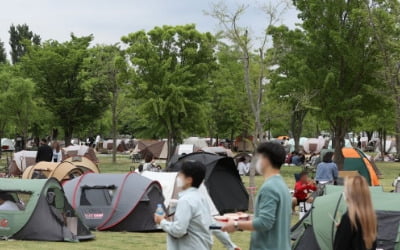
244,144
355,160
21,161
222,180
314,145
170,190
316,230
77,150
218,150
196,141
83,163
159,149
115,202
185,149
45,213
121,146
61,171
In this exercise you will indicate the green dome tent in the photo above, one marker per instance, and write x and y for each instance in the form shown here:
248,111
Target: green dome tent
43,213
317,229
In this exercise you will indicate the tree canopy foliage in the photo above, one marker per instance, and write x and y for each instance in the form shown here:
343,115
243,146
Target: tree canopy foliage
170,76
337,72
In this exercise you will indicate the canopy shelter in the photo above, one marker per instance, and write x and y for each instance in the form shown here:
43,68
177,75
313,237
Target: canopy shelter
80,150
20,161
43,214
159,149
356,160
317,230
170,190
115,202
222,180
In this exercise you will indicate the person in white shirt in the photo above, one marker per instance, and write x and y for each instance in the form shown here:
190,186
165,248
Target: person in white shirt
57,154
190,227
6,204
243,167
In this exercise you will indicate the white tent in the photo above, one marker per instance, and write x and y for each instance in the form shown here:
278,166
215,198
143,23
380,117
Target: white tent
314,145
24,159
169,189
196,141
80,150
218,150
185,149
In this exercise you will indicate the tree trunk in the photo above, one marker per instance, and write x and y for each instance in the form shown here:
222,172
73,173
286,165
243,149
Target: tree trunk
397,105
68,135
339,142
296,125
369,135
114,124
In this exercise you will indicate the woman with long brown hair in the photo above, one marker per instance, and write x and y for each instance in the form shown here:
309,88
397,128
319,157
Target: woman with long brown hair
358,227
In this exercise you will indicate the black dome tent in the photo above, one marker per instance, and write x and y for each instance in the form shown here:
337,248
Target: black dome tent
222,180
115,202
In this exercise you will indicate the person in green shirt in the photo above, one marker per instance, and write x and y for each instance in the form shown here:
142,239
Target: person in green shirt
272,216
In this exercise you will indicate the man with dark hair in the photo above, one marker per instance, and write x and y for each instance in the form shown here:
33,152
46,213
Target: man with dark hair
45,152
272,215
192,220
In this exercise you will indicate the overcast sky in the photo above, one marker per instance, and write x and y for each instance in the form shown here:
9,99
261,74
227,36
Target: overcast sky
108,20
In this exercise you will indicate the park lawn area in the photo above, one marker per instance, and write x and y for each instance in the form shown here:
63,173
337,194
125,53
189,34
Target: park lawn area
155,241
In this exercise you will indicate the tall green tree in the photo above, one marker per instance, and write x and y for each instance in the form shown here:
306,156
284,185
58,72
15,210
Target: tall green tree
20,37
384,18
56,69
171,68
3,55
343,56
293,81
228,97
255,67
106,68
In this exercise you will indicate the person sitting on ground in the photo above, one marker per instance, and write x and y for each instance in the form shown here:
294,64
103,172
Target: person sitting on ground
327,170
288,159
7,203
396,182
243,168
314,159
296,159
148,162
45,152
190,228
302,190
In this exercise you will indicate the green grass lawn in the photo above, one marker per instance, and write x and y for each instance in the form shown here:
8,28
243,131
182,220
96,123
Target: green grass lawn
155,241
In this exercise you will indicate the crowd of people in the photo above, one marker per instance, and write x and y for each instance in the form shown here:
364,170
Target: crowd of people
270,225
